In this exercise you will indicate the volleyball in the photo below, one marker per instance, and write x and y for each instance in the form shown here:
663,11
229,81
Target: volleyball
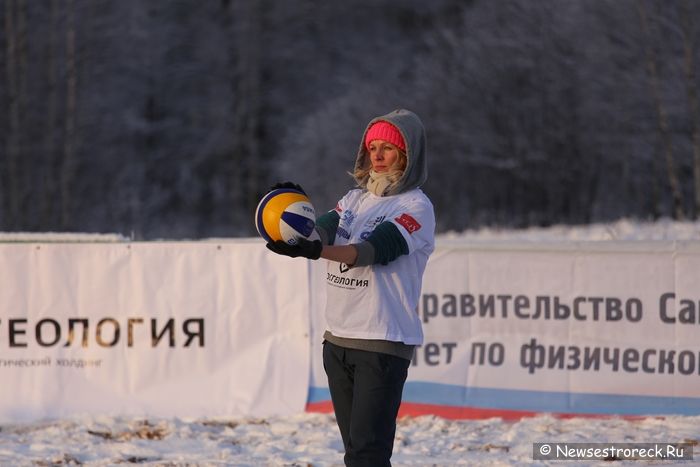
286,214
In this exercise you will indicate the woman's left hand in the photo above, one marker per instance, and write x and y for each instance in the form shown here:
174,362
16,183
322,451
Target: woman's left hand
305,248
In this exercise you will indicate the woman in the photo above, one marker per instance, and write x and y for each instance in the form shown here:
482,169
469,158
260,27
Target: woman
377,240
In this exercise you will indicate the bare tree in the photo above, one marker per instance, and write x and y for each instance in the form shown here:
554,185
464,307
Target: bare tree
12,201
692,93
662,116
47,200
248,43
69,157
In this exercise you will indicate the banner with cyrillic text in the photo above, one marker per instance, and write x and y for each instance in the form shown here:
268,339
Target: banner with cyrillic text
163,329
581,328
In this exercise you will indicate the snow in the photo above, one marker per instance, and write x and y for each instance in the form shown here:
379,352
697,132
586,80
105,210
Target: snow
312,439
621,230
39,237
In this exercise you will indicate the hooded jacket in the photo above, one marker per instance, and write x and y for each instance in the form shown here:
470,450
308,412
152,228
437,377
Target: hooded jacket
386,242
371,304
413,133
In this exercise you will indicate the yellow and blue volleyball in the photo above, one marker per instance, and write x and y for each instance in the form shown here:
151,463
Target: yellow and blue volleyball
285,214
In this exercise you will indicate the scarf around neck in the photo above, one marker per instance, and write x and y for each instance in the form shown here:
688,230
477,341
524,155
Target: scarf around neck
380,183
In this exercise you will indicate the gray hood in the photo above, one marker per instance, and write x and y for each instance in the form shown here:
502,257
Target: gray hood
413,133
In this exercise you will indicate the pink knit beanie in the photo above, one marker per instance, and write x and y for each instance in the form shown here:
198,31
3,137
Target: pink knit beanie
386,132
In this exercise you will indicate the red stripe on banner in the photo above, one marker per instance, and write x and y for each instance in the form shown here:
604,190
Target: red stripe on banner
455,413
320,407
410,409
415,410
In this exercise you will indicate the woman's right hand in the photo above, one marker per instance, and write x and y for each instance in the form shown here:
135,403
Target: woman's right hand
290,185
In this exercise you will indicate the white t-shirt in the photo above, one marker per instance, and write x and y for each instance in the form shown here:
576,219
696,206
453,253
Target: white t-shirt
377,301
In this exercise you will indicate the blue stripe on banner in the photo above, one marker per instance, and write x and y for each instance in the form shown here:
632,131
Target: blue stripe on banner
319,395
537,401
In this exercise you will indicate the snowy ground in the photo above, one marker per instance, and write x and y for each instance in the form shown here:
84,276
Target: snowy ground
313,439
622,230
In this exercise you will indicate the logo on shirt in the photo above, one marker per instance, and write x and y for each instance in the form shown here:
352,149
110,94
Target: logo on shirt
341,232
342,281
409,223
345,222
372,223
348,218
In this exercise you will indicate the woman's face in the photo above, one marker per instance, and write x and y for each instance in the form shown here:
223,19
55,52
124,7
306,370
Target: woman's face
383,155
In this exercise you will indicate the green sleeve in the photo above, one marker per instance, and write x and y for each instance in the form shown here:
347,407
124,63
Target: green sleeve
326,226
387,245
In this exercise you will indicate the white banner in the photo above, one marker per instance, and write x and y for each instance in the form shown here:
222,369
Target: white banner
164,329
569,328
225,329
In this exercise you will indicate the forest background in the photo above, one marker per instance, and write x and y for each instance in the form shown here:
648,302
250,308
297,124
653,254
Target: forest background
170,119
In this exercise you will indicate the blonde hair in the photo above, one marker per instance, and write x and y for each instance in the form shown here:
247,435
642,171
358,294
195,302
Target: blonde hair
361,174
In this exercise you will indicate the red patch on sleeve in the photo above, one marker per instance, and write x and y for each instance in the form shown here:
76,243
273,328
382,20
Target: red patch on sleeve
409,223
338,208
